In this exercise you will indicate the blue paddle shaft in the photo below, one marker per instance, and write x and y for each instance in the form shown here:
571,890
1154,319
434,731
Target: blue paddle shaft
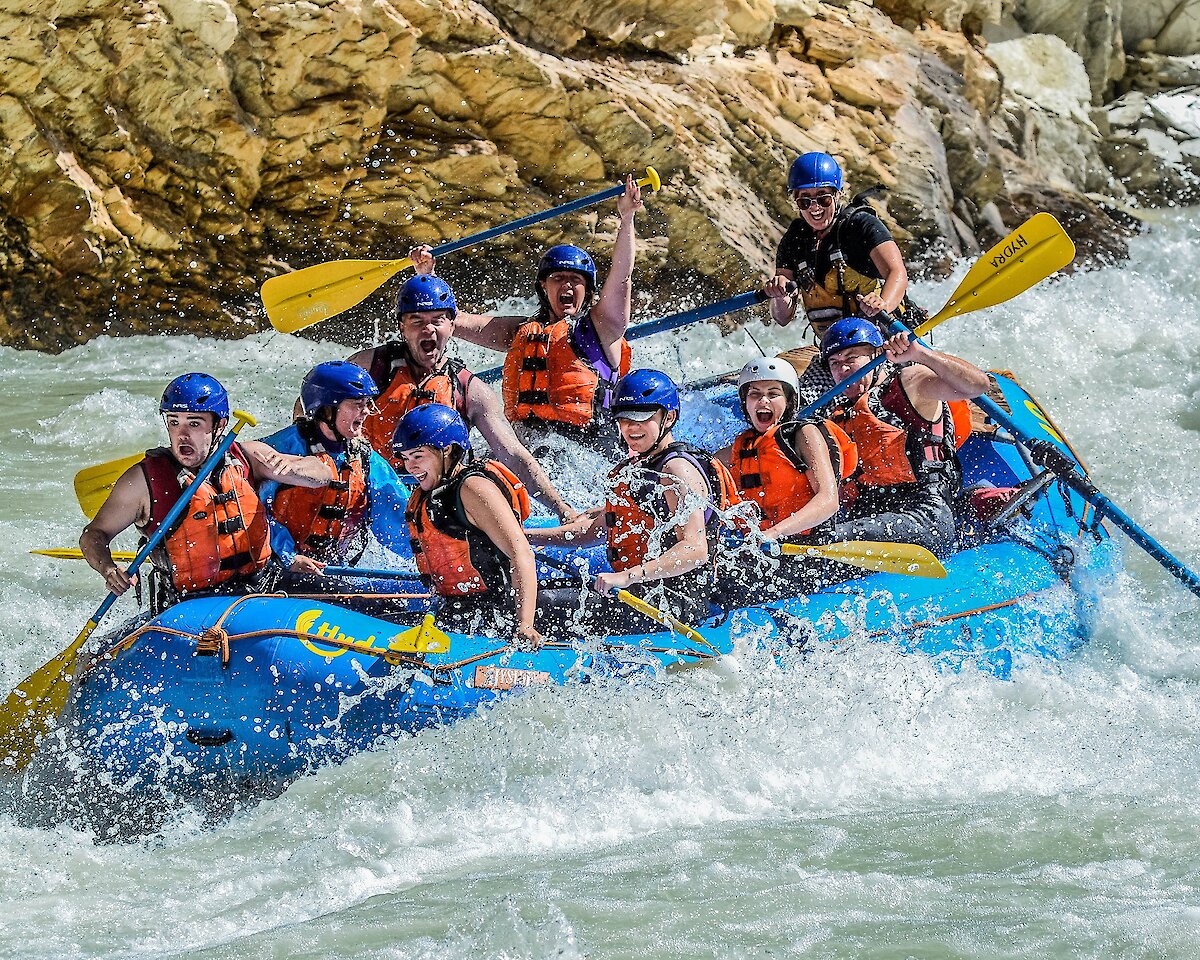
172,516
1052,457
370,572
833,392
533,218
669,322
1066,470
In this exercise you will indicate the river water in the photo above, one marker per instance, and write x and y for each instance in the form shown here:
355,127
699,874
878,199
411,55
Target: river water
859,805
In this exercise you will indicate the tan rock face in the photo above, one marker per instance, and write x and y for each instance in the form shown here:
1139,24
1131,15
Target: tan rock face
159,159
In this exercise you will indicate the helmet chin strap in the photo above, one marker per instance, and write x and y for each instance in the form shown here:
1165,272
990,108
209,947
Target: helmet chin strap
663,430
328,416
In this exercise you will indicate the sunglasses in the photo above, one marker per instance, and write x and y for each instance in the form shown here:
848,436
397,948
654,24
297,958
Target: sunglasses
824,199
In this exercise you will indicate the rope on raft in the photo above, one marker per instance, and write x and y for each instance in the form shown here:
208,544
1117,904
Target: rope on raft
215,639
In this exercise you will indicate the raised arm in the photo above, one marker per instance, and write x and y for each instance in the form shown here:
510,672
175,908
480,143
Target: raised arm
612,311
127,504
481,329
934,376
485,413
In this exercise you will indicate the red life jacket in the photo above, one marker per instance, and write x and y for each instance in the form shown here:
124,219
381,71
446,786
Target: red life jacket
318,518
768,470
392,370
558,371
456,556
895,443
223,533
636,513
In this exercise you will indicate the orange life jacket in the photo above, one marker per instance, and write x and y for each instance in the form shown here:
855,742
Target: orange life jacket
457,557
639,524
392,370
895,443
223,533
768,470
557,371
318,518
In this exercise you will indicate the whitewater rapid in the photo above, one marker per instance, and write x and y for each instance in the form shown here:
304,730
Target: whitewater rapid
858,804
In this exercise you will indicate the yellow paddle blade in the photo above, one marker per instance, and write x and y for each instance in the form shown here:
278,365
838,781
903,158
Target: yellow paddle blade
94,484
426,638
659,616
304,297
29,712
902,558
74,553
1028,255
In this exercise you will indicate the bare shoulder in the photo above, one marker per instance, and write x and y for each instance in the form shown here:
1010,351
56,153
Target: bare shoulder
682,469
128,502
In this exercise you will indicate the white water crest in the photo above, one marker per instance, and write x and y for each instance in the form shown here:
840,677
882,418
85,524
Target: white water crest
855,802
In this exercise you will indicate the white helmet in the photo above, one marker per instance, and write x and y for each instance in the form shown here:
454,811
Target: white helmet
768,368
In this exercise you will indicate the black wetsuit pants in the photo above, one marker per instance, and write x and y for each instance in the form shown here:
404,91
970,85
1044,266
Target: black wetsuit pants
923,516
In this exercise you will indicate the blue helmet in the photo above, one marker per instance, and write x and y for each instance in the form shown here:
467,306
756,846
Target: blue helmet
814,170
644,391
328,384
849,332
425,292
431,425
567,257
195,393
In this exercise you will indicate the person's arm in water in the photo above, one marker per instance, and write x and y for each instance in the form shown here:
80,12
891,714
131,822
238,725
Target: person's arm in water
484,413
267,463
127,504
612,311
487,509
888,261
683,487
812,449
484,330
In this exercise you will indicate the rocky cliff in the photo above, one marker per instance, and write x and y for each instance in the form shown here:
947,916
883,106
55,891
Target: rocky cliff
159,159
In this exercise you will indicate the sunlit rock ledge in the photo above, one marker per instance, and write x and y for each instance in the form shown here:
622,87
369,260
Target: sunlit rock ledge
159,160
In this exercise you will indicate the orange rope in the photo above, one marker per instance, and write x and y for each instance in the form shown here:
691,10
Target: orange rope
933,622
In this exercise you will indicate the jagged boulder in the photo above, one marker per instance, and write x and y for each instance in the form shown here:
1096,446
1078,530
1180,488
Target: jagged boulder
160,158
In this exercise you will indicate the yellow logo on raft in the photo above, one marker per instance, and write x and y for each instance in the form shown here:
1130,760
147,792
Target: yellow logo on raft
1043,420
412,640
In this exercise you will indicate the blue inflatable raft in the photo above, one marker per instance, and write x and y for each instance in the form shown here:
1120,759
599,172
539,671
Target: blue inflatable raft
220,699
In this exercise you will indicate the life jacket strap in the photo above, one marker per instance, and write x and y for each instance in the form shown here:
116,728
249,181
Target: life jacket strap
232,525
